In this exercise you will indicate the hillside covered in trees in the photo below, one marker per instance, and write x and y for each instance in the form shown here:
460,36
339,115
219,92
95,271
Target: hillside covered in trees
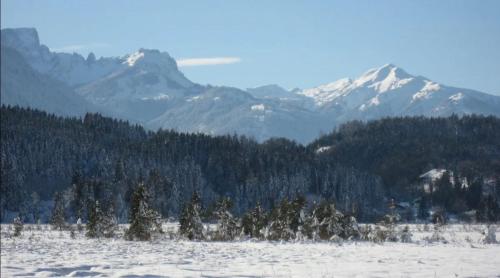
360,166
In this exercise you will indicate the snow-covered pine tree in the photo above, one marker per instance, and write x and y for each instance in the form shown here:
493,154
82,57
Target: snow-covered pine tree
58,218
310,227
95,221
18,226
350,228
296,215
388,229
191,226
144,221
78,192
109,222
254,222
330,225
327,221
227,227
279,227
35,206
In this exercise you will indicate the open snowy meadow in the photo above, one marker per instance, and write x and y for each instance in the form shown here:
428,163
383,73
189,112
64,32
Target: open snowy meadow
43,252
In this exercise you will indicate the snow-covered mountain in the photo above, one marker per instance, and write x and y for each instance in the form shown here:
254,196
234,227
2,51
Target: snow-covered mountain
391,91
226,110
72,69
23,86
147,87
143,89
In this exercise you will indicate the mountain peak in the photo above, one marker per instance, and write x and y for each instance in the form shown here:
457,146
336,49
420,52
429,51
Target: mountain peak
269,91
20,37
387,73
145,56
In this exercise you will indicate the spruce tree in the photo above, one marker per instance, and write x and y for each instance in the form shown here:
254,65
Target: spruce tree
191,226
296,214
280,222
227,228
254,222
95,221
325,221
423,209
144,221
109,223
58,218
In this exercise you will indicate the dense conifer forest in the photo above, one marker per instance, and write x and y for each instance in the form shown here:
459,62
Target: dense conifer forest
359,167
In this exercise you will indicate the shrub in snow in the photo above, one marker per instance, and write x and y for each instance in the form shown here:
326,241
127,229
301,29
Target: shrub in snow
18,226
336,238
227,228
436,235
389,224
365,232
489,235
144,221
438,217
405,234
379,234
350,228
191,226
79,225
72,232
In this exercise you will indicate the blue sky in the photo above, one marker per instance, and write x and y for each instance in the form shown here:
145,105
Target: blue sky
290,43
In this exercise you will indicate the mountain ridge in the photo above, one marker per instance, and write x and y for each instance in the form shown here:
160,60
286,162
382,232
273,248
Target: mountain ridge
147,87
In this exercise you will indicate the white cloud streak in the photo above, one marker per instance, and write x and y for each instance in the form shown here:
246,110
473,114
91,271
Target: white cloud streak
80,47
193,62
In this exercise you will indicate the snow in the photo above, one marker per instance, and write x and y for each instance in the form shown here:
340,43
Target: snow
195,98
374,101
329,92
427,91
433,174
133,58
54,253
158,97
456,97
114,86
258,107
391,81
323,149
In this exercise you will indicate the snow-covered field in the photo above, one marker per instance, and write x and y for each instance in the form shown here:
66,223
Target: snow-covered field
52,253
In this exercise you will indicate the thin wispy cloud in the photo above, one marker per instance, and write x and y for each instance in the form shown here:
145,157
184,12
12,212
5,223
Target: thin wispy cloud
80,47
193,62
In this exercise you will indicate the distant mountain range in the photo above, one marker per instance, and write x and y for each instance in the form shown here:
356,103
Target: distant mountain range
146,87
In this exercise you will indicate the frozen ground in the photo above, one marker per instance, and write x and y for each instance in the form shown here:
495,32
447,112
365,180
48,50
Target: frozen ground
52,253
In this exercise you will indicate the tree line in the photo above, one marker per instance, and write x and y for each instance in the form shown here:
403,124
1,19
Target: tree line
95,159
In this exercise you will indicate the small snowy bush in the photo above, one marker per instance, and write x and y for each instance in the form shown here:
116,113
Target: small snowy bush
405,234
490,236
18,226
436,235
